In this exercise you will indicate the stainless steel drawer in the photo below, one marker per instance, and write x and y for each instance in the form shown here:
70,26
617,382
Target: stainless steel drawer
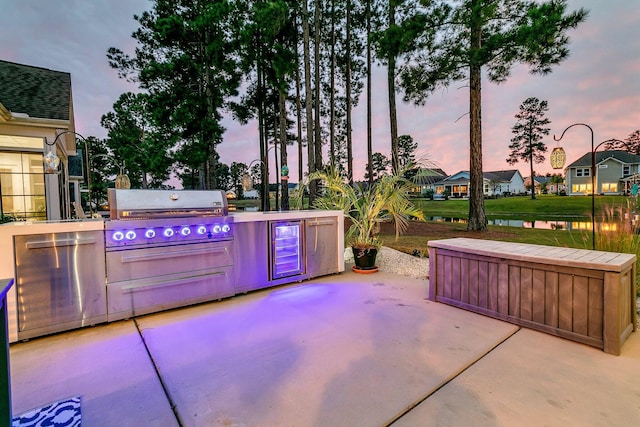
150,262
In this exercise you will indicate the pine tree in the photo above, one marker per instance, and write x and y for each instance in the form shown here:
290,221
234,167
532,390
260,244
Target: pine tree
187,61
457,43
529,130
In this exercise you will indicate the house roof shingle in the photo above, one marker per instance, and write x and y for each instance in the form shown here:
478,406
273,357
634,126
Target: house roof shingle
621,155
504,175
38,92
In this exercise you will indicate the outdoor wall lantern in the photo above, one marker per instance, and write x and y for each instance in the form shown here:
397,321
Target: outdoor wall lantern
51,159
51,162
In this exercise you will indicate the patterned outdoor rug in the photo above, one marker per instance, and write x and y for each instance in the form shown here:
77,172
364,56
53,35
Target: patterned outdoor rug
57,414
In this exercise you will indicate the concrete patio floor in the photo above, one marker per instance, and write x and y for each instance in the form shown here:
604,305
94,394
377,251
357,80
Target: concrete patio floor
341,350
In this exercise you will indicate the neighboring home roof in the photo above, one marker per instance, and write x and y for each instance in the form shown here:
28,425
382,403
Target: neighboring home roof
429,175
503,176
620,155
458,180
37,92
542,179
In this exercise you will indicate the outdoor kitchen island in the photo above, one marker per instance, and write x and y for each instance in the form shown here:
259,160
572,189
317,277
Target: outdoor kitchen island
277,247
72,274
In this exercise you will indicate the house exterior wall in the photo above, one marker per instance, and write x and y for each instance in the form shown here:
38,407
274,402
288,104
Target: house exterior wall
578,185
517,183
608,175
458,185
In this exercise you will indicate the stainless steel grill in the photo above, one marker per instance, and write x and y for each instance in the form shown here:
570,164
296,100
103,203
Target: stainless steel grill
167,249
151,218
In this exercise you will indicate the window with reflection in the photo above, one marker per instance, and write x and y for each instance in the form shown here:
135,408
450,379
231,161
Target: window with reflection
581,188
22,187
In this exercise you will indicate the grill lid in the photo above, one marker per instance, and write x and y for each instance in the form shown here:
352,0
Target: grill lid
137,204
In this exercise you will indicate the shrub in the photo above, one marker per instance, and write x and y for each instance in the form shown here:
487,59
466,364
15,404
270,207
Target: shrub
619,232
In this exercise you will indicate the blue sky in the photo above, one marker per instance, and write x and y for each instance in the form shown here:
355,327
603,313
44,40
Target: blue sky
598,84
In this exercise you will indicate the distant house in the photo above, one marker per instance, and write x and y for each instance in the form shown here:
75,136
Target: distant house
495,183
616,172
424,178
35,107
540,182
557,187
251,194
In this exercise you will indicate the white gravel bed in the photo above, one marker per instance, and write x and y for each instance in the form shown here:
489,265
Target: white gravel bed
397,262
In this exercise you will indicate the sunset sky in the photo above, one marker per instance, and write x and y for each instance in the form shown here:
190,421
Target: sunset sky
599,84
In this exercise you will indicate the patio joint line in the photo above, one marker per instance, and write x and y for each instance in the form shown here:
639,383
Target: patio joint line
172,404
428,395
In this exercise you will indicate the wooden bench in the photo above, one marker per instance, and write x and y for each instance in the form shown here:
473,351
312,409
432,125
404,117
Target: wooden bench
583,295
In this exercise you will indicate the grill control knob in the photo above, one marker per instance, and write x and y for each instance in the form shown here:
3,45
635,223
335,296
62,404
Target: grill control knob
226,228
168,232
185,231
118,236
150,233
216,229
130,235
201,230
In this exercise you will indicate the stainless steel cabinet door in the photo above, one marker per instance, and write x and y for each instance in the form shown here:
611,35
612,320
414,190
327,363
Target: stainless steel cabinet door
322,246
60,279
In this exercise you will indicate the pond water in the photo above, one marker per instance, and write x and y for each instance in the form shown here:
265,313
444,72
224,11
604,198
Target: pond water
542,225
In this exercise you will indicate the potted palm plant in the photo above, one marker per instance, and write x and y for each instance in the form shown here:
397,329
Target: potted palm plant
364,207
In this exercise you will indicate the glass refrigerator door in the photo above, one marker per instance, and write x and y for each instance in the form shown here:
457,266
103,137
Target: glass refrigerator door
286,254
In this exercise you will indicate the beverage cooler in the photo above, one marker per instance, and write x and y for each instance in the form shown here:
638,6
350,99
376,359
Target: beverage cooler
286,255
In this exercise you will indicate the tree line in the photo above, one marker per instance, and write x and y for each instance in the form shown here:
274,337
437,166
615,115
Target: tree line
299,68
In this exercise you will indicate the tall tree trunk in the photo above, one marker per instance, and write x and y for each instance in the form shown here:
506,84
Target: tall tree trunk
332,83
477,218
276,141
391,84
298,107
264,161
212,181
348,84
369,136
284,204
317,81
313,185
533,182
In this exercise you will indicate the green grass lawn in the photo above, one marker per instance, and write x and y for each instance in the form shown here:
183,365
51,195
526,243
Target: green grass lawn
544,207
418,241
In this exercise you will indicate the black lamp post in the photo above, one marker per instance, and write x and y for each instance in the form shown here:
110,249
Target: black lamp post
593,174
247,183
593,180
52,162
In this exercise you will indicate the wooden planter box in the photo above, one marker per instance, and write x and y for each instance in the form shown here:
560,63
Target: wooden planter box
583,295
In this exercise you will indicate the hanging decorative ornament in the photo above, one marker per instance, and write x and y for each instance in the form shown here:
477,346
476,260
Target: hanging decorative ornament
558,158
247,182
122,180
51,162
